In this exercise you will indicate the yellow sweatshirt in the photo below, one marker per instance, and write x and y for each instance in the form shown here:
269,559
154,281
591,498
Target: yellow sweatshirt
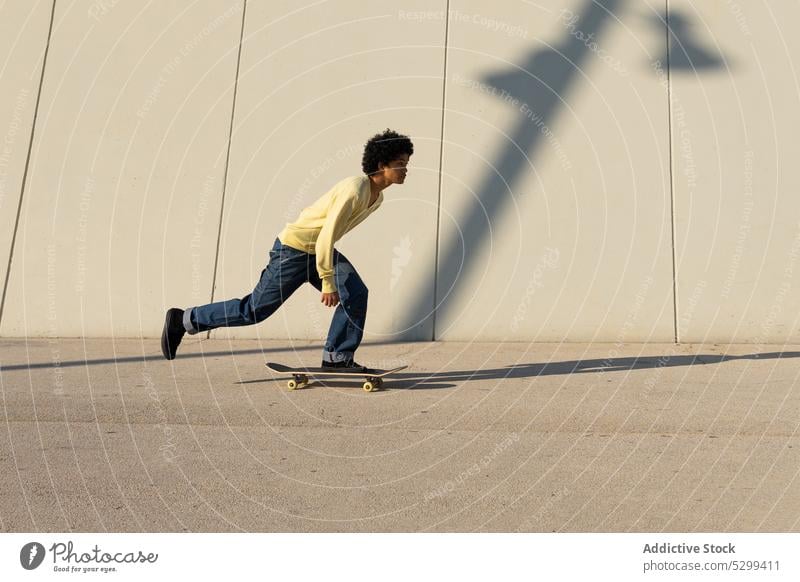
323,223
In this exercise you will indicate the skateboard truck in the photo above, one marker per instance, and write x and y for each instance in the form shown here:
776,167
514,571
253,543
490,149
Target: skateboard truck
370,384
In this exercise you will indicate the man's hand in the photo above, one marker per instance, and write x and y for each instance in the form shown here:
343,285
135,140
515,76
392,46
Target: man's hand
330,299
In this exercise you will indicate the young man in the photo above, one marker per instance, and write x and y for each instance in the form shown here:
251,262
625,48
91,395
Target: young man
304,253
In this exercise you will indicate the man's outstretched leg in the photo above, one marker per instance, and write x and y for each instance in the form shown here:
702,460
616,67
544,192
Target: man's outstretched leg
285,272
347,326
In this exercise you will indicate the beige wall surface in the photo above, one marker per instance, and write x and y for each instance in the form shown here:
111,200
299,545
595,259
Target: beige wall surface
23,39
735,122
120,215
572,170
555,202
316,81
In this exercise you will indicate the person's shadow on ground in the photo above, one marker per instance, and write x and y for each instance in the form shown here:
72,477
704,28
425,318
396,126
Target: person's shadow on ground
423,380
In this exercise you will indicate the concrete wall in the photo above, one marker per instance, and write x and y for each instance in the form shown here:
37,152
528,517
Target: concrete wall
23,39
579,172
735,122
128,155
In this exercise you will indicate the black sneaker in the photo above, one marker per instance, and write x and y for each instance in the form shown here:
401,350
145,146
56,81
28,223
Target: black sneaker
344,365
173,332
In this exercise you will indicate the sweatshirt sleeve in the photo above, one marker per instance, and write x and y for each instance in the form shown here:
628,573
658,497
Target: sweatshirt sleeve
335,225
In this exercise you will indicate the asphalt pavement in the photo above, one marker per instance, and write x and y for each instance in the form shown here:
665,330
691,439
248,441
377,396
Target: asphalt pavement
106,435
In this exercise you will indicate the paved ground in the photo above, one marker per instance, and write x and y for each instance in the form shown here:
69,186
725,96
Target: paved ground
106,435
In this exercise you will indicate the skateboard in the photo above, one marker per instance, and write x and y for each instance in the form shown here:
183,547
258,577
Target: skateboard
373,379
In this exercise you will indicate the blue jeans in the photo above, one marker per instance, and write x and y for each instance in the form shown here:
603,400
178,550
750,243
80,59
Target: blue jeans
286,270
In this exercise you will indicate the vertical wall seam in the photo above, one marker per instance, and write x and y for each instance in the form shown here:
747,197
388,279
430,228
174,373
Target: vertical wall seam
27,162
676,335
227,157
441,169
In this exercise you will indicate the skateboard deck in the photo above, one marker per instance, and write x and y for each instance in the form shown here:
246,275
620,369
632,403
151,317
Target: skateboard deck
373,378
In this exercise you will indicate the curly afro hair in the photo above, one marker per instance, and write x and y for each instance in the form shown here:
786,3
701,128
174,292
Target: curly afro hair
384,147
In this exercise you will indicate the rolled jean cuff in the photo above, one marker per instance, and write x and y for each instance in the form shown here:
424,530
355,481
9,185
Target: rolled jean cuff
334,357
187,322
